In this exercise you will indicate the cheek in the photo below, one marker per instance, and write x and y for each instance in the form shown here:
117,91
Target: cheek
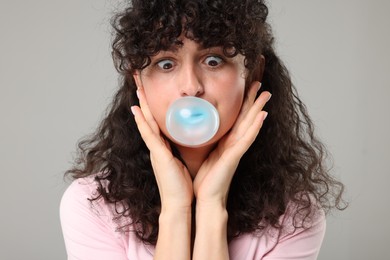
230,106
157,98
158,105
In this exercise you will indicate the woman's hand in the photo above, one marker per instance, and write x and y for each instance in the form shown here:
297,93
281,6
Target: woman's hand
211,184
173,179
174,184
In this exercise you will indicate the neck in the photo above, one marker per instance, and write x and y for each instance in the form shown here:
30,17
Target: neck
194,157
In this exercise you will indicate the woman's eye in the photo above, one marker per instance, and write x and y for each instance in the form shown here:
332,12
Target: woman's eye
213,61
165,64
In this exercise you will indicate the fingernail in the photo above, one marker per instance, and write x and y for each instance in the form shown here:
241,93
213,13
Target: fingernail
265,116
132,110
270,95
258,87
137,93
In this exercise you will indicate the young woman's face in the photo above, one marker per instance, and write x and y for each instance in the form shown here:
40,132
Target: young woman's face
191,70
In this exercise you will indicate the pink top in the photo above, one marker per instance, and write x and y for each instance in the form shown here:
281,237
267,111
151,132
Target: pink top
90,233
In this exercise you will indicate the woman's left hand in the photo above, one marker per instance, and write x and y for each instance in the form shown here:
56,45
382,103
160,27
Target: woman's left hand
212,182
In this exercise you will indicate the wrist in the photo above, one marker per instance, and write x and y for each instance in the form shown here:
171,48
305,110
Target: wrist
175,213
174,235
211,214
215,204
211,232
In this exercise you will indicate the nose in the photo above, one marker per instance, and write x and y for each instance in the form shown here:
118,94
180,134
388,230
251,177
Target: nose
191,81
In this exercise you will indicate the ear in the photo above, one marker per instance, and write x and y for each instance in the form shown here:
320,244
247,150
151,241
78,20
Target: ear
257,74
137,79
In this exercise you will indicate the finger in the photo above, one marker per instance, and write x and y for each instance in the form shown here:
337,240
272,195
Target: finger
254,128
250,96
159,152
146,110
248,102
254,112
250,134
151,138
258,105
246,132
250,107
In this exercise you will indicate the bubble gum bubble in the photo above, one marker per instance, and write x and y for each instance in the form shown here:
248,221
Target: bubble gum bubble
192,121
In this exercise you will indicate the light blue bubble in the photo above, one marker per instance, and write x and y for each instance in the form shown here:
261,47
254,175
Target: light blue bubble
192,121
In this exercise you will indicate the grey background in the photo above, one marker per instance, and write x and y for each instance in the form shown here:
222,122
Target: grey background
56,79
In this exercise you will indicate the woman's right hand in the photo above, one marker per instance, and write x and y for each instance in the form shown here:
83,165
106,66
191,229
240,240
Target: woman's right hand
175,186
173,179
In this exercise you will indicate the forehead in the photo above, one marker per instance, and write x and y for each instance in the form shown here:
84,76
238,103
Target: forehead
183,40
191,44
189,47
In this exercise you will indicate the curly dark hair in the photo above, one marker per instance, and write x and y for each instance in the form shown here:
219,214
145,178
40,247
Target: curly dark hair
285,164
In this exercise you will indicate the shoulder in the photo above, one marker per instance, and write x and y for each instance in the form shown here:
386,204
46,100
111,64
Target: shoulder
81,206
301,235
81,202
90,226
296,221
296,239
80,189
81,196
87,225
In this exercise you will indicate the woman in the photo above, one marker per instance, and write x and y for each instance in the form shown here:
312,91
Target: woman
243,194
